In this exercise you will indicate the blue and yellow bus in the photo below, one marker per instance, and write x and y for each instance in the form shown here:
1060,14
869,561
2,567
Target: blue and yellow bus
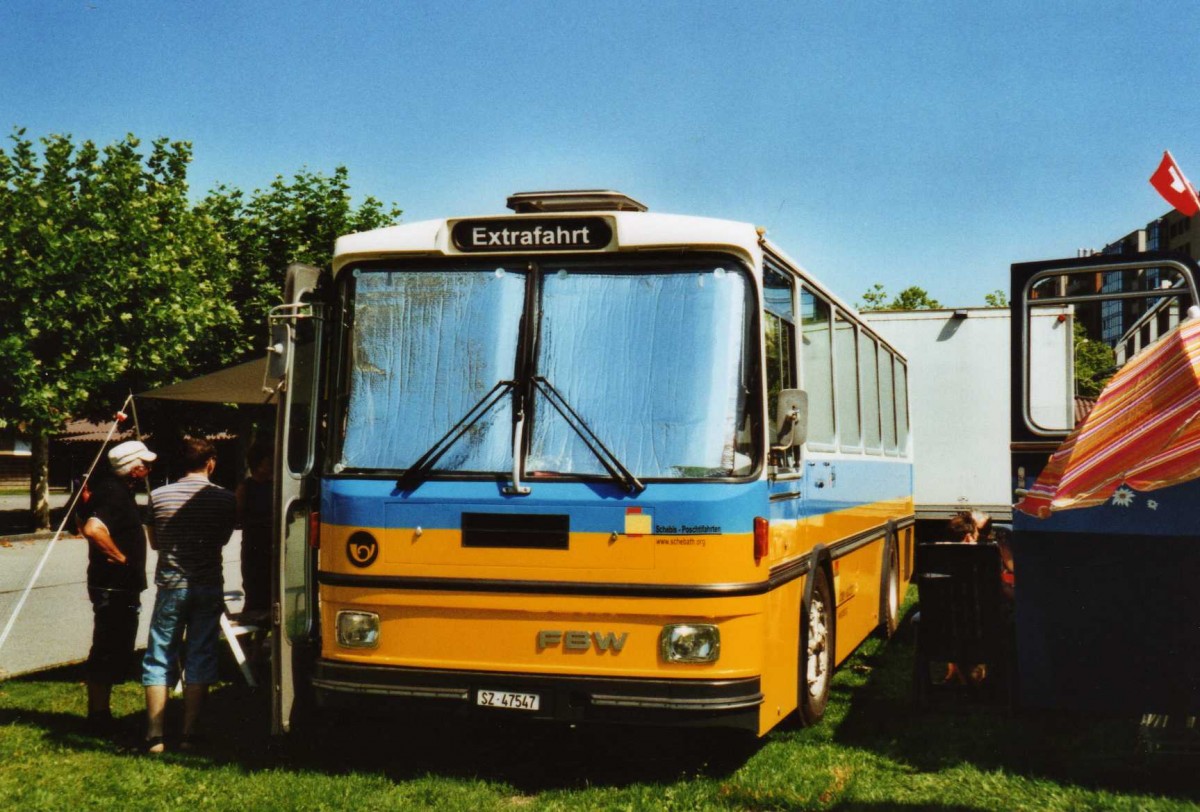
582,462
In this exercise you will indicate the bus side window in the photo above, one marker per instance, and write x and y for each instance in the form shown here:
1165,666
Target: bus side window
887,401
845,363
780,337
817,357
868,366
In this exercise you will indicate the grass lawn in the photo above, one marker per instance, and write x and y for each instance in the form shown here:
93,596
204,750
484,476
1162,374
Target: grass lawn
873,751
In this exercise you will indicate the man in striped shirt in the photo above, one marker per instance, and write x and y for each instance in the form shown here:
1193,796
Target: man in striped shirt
193,520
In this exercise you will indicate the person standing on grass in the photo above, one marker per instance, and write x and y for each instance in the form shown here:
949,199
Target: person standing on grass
193,520
116,574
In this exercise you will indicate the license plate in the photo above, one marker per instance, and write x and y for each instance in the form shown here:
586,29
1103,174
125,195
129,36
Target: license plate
507,699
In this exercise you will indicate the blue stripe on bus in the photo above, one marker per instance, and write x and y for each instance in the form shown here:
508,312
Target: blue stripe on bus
594,507
697,508
848,482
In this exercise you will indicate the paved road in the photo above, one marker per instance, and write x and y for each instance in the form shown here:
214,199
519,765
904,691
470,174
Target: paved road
20,501
55,625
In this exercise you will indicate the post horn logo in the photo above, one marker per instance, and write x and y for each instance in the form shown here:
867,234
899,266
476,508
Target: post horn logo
362,549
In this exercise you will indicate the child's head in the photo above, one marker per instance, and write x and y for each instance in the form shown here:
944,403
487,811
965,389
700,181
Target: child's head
963,527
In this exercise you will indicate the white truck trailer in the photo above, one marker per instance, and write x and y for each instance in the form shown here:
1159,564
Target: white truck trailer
959,398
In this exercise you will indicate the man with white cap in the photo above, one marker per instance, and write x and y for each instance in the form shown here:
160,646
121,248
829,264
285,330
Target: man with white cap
116,573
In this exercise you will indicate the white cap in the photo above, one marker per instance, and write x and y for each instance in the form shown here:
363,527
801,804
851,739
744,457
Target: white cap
125,456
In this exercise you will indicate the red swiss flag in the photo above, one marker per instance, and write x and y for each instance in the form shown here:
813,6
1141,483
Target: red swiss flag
1172,185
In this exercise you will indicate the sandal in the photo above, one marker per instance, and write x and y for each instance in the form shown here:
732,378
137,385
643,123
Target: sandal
155,745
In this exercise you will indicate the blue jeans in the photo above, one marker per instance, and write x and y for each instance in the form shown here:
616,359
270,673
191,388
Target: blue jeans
197,611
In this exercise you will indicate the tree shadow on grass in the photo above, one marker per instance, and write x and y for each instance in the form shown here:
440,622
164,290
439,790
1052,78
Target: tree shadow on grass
962,726
530,757
54,701
527,755
74,672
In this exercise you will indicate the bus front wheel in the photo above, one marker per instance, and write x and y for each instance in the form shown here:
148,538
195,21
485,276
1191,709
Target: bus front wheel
816,651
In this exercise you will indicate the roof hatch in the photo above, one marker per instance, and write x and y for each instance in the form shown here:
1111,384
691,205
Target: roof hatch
572,200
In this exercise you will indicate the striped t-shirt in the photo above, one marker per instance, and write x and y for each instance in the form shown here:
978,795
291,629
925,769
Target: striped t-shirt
193,519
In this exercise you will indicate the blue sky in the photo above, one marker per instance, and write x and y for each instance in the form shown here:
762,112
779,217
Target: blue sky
929,143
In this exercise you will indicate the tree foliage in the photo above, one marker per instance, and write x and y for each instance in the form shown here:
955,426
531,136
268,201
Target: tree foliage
111,281
997,298
115,282
874,298
911,298
1095,363
914,298
294,220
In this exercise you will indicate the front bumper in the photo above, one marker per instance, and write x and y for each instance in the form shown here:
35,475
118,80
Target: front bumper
671,702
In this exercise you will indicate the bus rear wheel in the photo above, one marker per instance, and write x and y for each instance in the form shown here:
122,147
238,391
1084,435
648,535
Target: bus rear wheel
816,651
891,597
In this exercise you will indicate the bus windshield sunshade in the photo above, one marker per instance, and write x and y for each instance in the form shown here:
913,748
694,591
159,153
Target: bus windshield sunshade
608,459
416,473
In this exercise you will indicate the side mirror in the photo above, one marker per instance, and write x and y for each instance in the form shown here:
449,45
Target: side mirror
791,429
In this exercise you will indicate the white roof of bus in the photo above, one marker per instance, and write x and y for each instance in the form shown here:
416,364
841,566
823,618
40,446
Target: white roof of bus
634,230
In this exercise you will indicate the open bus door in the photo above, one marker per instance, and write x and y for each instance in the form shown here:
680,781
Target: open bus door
293,366
1105,544
1111,308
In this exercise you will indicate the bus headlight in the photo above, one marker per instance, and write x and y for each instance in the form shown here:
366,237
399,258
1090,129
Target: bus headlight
358,629
690,643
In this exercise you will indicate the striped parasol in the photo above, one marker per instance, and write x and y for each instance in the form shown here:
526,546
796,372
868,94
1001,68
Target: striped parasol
1144,431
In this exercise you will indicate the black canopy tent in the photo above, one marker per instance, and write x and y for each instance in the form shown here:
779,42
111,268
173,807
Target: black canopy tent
242,384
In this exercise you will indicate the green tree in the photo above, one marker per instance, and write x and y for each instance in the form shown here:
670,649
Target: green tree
294,220
911,298
874,299
111,283
914,298
1095,363
997,298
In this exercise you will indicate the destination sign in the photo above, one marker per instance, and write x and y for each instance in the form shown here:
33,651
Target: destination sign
533,234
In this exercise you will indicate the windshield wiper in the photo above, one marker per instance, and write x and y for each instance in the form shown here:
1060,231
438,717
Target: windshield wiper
417,472
608,459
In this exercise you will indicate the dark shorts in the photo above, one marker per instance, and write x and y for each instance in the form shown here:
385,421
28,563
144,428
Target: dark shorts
114,633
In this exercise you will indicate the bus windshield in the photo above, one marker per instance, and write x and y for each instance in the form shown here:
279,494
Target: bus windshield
652,362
